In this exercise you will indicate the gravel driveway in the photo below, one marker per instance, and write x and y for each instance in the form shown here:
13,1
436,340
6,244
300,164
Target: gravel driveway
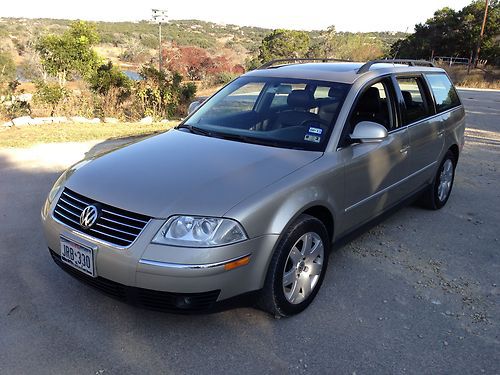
417,294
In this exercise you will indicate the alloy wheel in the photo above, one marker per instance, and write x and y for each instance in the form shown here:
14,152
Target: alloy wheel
303,267
445,180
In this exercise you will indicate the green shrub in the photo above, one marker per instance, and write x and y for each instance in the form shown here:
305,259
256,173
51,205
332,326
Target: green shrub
162,94
50,94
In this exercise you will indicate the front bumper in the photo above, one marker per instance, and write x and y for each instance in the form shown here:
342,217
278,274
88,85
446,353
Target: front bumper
147,298
170,273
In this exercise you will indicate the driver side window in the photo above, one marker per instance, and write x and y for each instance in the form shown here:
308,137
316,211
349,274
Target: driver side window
373,105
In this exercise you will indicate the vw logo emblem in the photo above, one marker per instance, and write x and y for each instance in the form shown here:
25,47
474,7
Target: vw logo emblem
89,216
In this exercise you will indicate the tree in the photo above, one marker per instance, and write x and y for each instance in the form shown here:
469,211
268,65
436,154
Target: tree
196,63
107,77
453,33
69,53
284,44
347,46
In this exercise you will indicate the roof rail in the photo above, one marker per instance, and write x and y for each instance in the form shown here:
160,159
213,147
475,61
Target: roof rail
271,63
366,66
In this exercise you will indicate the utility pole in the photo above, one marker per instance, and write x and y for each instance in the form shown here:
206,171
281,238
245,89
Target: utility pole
481,34
159,16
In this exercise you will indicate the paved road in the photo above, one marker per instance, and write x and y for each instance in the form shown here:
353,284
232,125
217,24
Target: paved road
417,294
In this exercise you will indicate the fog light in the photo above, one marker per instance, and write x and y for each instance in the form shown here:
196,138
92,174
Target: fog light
183,302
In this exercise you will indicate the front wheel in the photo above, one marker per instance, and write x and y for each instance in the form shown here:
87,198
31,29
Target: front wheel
438,193
297,268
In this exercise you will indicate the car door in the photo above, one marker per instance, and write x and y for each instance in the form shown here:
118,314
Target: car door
424,129
374,172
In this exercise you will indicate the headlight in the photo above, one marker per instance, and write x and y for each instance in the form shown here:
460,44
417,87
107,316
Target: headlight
193,231
57,186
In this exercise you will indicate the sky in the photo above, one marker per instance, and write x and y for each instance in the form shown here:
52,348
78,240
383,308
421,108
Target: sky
350,15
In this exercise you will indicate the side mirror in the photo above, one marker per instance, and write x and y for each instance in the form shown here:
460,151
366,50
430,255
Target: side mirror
196,103
368,131
192,107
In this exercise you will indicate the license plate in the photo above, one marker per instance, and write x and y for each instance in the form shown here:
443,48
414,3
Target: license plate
78,256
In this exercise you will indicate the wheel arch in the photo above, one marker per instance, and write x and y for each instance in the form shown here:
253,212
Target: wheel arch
455,150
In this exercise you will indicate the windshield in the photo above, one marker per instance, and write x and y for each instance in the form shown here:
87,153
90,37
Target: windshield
279,112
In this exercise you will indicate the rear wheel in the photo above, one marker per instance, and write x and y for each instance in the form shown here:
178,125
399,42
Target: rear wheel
438,193
297,268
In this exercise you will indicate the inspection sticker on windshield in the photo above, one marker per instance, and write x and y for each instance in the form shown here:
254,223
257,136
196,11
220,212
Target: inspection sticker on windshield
312,138
315,130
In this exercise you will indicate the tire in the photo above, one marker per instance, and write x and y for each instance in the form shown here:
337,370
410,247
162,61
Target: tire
439,192
302,257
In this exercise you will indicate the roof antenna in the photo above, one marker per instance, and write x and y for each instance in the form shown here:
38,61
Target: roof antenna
399,46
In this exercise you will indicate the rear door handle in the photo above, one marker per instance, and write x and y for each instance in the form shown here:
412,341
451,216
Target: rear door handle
440,133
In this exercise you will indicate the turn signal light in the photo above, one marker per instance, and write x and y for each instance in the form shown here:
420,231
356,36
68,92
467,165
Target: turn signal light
237,263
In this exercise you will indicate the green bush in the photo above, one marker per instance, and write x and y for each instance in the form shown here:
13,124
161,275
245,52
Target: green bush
149,41
219,79
7,68
107,77
49,94
162,94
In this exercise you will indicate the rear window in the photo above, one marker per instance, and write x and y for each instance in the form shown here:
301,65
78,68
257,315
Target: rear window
416,107
445,95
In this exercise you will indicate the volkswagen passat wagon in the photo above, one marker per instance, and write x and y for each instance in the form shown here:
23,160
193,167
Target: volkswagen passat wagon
251,190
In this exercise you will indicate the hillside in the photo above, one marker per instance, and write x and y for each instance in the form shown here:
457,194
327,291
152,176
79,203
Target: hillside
130,44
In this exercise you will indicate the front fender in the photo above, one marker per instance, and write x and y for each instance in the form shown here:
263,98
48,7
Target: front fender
272,209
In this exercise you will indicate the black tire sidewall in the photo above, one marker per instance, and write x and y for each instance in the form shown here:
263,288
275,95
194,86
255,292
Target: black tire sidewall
438,203
306,225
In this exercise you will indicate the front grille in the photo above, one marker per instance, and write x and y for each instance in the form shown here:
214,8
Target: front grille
146,298
114,225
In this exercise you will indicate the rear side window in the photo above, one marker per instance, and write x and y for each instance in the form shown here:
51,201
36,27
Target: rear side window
416,106
445,96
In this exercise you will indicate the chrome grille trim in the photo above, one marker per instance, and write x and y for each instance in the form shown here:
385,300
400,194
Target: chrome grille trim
116,222
115,226
126,217
67,218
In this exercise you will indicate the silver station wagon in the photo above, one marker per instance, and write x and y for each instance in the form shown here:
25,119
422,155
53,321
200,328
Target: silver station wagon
249,193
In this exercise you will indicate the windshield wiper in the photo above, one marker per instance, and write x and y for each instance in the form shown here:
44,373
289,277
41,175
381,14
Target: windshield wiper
246,139
195,129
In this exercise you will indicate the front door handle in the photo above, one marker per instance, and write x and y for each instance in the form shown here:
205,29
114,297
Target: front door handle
404,150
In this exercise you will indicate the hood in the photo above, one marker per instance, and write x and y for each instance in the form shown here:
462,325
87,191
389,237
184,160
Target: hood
183,173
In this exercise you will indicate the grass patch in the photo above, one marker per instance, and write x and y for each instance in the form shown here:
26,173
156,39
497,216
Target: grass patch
476,78
71,132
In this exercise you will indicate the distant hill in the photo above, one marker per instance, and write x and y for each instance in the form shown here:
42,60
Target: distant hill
133,43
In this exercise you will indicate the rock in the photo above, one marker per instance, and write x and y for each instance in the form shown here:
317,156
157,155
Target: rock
26,97
59,120
111,120
22,121
83,120
42,120
79,119
165,121
148,120
39,121
8,124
